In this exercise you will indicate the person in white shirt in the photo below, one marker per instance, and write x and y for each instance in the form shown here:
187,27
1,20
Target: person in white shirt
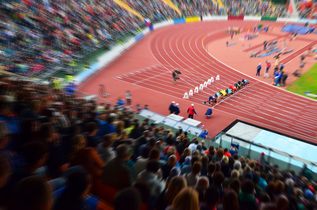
150,178
193,146
105,150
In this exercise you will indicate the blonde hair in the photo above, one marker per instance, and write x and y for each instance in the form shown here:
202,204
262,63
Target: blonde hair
170,135
79,143
120,126
186,152
176,184
187,199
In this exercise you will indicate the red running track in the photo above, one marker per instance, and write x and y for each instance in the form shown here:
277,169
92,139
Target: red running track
183,47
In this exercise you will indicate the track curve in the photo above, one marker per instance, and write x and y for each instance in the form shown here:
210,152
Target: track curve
182,47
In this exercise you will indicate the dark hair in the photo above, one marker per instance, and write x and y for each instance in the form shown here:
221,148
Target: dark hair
129,198
34,151
91,127
264,198
152,166
212,195
152,142
194,159
154,154
47,130
106,139
211,168
196,168
247,186
218,178
204,160
31,193
230,201
235,185
236,156
71,197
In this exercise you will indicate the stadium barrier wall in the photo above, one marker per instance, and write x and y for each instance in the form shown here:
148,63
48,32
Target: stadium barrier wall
268,18
212,18
252,18
306,21
233,17
286,20
178,21
192,19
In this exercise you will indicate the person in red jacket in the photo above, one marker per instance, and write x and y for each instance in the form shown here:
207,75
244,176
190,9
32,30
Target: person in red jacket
191,111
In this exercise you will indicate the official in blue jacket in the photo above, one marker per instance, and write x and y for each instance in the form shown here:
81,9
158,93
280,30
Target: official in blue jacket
172,107
176,109
258,69
209,113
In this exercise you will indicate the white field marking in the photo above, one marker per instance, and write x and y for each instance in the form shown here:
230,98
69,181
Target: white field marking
156,48
295,53
259,80
228,113
238,109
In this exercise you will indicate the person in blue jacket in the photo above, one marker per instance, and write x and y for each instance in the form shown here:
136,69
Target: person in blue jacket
172,107
258,69
208,113
204,134
278,78
176,109
245,82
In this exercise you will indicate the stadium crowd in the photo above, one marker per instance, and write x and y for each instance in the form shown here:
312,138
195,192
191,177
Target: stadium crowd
37,34
62,152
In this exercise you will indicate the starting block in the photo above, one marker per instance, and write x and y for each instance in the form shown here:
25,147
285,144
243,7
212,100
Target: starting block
205,84
209,82
186,96
201,87
218,77
191,93
196,90
212,79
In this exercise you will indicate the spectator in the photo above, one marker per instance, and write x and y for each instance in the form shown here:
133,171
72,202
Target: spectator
116,172
135,132
171,162
76,190
193,146
230,201
218,180
246,197
32,193
166,198
86,156
204,163
186,168
35,154
141,141
235,185
141,163
181,147
92,140
219,155
169,140
261,159
105,150
174,172
192,177
234,174
150,178
212,198
203,145
201,187
120,139
148,148
129,198
187,199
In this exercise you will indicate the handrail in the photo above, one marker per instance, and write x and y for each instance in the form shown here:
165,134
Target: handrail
268,148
